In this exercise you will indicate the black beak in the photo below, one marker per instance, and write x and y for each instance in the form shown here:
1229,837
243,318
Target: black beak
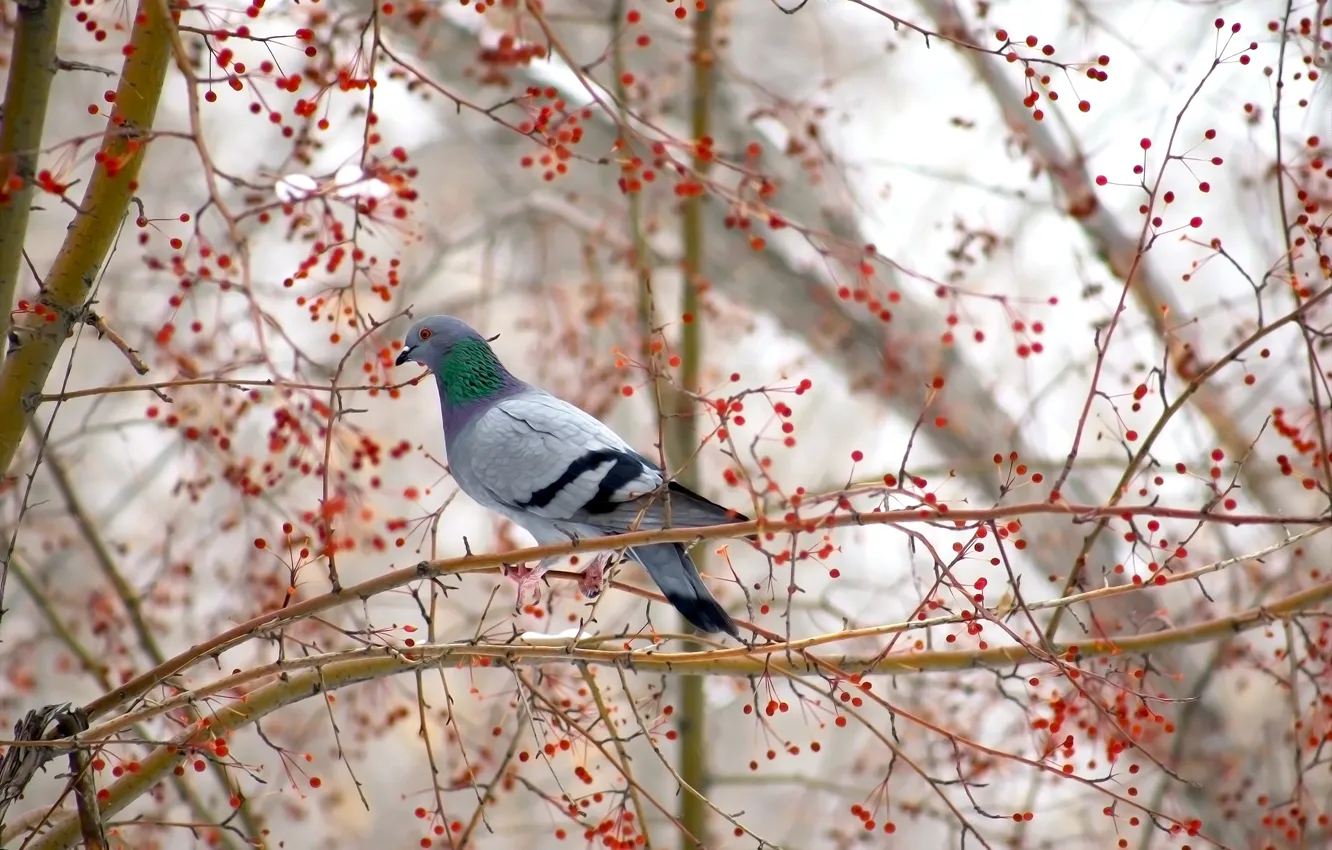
402,356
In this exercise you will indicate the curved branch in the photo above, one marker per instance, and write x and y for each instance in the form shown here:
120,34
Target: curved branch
340,670
489,563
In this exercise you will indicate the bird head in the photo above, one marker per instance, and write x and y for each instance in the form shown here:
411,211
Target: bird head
430,340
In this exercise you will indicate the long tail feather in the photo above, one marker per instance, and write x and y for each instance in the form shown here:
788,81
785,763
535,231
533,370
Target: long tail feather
691,509
676,576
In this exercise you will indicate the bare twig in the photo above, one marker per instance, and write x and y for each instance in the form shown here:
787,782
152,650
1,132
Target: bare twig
620,750
129,598
105,331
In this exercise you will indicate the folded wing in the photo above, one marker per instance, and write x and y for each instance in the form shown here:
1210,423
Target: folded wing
543,456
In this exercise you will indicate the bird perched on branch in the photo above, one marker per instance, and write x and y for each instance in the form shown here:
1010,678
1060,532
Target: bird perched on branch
554,469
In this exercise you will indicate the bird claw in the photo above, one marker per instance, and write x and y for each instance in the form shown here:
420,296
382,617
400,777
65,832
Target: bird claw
590,584
574,536
525,577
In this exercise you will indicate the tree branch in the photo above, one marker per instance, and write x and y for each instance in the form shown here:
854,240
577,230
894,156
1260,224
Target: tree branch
339,670
94,228
83,780
98,671
31,72
1120,252
473,564
681,429
130,599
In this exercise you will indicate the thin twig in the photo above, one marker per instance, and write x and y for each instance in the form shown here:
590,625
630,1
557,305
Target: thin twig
684,783
130,600
105,331
100,673
623,753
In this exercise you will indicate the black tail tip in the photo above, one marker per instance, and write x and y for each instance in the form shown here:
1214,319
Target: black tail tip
707,616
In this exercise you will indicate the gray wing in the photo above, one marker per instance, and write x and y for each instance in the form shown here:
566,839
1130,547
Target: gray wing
538,455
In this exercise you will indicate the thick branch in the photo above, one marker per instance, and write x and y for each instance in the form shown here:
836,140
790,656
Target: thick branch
94,228
84,782
32,69
788,657
681,431
21,761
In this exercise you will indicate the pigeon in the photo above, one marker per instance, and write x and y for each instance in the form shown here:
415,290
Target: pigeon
554,469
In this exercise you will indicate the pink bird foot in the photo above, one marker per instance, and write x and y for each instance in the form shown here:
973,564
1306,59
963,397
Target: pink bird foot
525,578
590,585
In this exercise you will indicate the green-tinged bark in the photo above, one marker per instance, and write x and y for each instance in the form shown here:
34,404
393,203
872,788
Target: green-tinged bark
95,225
682,432
31,71
675,410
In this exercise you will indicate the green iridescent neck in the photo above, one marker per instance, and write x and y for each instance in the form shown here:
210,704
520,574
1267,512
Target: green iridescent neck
469,372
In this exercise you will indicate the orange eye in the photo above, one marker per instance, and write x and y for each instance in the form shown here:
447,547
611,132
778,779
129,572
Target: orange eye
425,333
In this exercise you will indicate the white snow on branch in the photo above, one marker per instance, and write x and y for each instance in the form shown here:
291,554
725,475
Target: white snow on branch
563,638
349,183
295,187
